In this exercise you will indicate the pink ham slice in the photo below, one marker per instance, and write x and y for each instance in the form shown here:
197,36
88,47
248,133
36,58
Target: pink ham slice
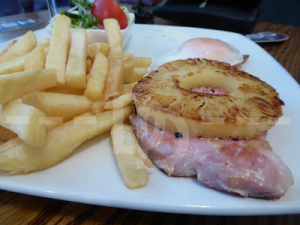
249,168
209,90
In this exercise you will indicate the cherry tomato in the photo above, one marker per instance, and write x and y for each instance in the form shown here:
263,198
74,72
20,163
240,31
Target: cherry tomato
103,9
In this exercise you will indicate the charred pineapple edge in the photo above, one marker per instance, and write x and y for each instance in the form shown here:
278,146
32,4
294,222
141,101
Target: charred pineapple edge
247,111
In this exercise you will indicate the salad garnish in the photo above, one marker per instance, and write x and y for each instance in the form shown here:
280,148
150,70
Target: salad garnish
81,16
88,15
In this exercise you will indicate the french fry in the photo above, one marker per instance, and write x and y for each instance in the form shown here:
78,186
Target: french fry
65,90
144,157
36,59
127,55
58,49
76,66
13,66
46,51
129,65
114,37
62,105
6,134
114,80
131,166
44,41
15,85
119,102
52,122
93,49
10,144
20,48
87,118
28,99
17,100
24,120
144,62
127,88
96,78
89,64
98,107
60,143
46,113
9,45
138,73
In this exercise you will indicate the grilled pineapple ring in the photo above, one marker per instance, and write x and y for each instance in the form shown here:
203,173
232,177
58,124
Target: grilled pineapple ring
247,110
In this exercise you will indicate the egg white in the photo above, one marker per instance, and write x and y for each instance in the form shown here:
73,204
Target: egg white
219,51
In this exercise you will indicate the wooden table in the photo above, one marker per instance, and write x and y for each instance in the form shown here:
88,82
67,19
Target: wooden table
24,209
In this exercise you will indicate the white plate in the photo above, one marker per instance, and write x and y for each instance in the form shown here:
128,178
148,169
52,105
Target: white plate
91,175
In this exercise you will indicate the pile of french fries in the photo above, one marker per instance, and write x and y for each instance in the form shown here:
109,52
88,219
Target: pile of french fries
58,92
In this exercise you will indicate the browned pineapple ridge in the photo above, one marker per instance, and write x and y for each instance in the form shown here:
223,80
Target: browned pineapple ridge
247,110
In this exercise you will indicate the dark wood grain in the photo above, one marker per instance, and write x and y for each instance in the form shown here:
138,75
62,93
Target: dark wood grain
24,209
287,53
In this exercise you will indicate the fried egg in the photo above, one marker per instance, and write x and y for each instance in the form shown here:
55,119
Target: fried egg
208,48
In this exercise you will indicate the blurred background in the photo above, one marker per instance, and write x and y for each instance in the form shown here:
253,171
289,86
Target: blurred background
275,11
280,11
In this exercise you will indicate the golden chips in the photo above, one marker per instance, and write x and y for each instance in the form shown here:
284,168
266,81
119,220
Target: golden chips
46,113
